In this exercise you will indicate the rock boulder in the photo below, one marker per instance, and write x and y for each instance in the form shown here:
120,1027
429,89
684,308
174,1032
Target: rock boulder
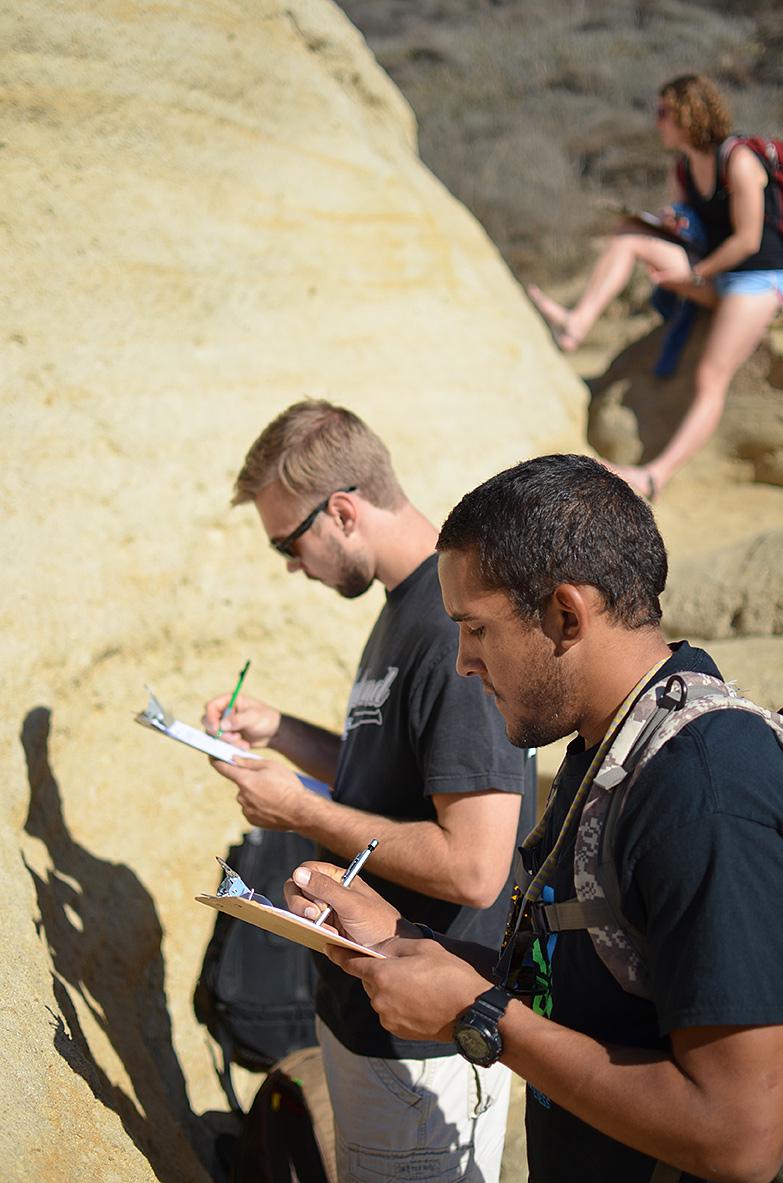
210,210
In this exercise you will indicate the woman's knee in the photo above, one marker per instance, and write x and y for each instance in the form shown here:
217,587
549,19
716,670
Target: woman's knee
711,380
625,241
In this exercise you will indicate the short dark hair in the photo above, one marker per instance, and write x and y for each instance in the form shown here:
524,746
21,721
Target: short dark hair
563,519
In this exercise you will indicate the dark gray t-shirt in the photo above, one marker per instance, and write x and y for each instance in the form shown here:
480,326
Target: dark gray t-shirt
413,728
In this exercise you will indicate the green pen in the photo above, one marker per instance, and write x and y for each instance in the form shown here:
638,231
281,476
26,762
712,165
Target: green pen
237,688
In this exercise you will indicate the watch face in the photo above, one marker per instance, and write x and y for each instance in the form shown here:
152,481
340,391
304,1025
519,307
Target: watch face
472,1043
476,1032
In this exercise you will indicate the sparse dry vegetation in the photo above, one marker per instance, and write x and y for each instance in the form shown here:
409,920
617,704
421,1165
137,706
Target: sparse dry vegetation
534,112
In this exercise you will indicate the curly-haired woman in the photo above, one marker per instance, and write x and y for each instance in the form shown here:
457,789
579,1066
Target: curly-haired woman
740,275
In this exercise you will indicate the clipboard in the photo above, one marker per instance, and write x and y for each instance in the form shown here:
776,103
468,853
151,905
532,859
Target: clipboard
157,718
646,220
282,923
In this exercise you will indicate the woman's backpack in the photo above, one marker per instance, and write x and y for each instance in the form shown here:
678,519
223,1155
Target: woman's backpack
770,153
768,150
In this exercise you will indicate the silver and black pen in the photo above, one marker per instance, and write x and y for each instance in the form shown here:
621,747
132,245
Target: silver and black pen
350,873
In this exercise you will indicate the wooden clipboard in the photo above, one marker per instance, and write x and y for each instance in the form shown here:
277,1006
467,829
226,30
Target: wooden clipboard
282,923
645,220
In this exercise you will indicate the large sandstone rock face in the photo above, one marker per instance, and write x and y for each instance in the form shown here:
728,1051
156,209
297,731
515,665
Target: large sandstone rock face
736,591
732,597
633,413
209,210
722,515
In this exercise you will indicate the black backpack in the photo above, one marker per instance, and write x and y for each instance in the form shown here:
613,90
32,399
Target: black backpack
288,1134
255,990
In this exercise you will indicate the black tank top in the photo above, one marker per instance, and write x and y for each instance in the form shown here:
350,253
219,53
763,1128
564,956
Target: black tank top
715,217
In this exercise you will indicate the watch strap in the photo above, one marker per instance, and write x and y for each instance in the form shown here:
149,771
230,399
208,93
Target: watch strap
482,1020
492,1003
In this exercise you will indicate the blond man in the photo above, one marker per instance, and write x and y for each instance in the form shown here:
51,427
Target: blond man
422,765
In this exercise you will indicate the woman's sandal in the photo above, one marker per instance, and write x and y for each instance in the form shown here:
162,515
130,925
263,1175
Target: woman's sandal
556,318
566,341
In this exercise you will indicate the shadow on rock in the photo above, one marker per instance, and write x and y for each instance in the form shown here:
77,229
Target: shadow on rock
633,413
104,937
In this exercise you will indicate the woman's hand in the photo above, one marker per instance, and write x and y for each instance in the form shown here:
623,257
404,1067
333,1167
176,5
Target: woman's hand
673,278
671,220
686,284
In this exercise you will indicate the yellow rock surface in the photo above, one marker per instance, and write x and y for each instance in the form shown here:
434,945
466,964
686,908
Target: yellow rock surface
209,210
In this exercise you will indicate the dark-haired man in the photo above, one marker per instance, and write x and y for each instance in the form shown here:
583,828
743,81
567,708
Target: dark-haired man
553,571
422,765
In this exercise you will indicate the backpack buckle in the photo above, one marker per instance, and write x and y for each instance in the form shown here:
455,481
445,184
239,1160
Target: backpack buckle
538,918
674,694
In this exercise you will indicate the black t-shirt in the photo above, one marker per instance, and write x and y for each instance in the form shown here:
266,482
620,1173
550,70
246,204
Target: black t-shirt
413,728
700,864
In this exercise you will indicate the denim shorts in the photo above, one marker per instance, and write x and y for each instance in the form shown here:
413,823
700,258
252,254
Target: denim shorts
749,283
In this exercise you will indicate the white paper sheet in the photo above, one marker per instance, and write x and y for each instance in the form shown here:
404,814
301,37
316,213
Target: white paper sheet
209,744
157,718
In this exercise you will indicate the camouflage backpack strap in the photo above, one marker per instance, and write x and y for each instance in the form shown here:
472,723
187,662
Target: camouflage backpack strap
652,720
656,717
621,947
705,695
655,721
631,725
597,905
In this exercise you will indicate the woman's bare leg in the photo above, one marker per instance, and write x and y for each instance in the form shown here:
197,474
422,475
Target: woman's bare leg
607,279
737,327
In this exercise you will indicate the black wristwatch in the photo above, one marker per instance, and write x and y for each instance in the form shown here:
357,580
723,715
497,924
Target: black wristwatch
476,1032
